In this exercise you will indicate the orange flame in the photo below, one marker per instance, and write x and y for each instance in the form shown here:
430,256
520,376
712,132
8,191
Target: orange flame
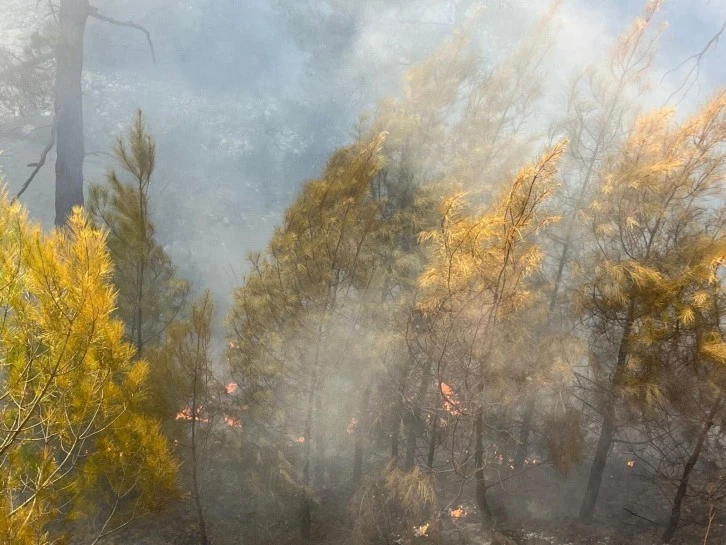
352,426
421,531
232,422
231,388
186,415
631,464
451,402
457,513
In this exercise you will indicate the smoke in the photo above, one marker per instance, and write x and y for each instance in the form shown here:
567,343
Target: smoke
249,98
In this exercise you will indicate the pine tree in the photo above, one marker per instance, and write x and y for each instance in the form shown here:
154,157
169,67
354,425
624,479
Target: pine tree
150,296
473,286
297,316
183,365
655,203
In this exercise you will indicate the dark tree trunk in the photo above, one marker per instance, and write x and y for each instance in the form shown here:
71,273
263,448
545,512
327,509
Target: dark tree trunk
306,501
481,489
605,441
411,440
360,428
195,479
520,455
685,476
320,443
70,147
397,421
432,445
416,426
587,509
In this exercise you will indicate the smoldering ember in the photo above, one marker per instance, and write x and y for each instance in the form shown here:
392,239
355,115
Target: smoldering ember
382,272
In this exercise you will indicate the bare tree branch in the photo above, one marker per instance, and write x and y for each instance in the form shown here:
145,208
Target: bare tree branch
130,24
692,77
39,165
639,516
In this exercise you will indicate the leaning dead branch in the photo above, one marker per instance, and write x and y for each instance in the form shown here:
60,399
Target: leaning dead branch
40,164
129,24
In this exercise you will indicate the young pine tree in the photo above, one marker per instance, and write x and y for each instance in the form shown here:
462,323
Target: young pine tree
182,363
296,318
150,297
475,283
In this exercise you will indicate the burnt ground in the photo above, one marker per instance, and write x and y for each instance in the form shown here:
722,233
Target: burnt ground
539,509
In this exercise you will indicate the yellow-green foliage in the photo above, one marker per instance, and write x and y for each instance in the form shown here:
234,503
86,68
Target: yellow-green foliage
458,119
72,438
658,237
314,260
182,366
476,284
472,253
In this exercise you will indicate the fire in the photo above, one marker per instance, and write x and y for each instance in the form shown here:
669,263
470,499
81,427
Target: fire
300,439
631,464
421,531
457,513
352,426
186,415
232,422
451,402
231,388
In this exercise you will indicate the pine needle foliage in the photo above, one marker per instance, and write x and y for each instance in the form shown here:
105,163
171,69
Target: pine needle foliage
654,224
476,283
150,296
657,230
74,440
300,320
391,504
26,78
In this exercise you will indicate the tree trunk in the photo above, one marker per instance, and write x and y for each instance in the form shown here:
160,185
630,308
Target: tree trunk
685,476
360,428
195,462
587,509
320,443
395,436
416,426
432,445
305,506
481,489
70,146
520,455
195,483
411,440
